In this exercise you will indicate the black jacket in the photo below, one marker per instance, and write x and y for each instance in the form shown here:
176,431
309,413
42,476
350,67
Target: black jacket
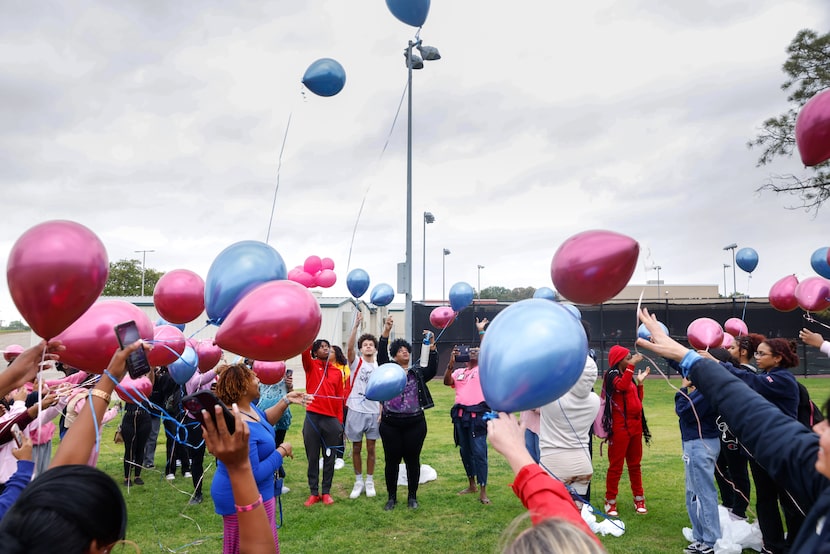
422,374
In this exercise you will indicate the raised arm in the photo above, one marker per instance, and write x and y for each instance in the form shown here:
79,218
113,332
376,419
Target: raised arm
350,343
448,378
275,412
24,368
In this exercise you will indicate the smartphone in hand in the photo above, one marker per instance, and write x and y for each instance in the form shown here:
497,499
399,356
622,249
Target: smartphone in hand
206,400
18,435
137,364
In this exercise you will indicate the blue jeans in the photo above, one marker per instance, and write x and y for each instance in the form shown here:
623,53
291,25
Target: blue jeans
532,445
700,456
473,447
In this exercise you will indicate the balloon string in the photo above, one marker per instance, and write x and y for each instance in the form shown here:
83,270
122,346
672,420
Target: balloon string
277,187
808,316
746,297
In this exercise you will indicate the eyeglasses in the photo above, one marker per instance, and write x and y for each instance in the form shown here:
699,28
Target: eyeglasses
760,354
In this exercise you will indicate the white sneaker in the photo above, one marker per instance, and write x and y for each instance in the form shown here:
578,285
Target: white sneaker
339,463
170,477
370,489
285,489
358,488
187,475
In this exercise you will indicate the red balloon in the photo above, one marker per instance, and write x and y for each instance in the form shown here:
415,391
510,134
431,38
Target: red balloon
137,388
12,351
704,333
442,317
312,265
168,345
812,130
594,266
813,294
326,263
56,271
326,278
91,342
275,321
179,296
269,373
209,354
736,327
782,294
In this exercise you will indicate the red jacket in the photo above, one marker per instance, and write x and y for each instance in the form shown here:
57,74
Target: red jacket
627,398
325,382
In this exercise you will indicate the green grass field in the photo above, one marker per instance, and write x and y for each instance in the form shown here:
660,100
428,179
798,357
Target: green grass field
160,518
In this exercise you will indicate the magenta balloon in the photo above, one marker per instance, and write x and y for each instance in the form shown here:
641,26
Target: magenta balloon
12,351
91,342
442,317
735,327
326,263
275,321
312,265
269,373
326,278
704,333
302,277
594,266
56,271
179,296
728,340
209,354
812,130
813,294
782,294
138,389
168,345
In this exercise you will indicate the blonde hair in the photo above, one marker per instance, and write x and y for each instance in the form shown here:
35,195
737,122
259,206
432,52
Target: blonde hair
553,534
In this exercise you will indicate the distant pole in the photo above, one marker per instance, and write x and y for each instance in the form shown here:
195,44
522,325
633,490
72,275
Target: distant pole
143,266
480,267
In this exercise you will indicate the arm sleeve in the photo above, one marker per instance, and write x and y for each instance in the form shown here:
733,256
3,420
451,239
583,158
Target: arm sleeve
622,382
383,350
15,485
266,467
306,358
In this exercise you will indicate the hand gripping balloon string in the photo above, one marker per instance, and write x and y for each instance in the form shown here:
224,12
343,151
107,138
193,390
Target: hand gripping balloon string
277,187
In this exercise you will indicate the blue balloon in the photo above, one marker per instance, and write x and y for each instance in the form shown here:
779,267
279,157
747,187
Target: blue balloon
411,12
819,262
382,295
161,321
357,282
461,296
533,353
325,77
386,382
747,259
644,333
545,292
573,310
236,271
183,369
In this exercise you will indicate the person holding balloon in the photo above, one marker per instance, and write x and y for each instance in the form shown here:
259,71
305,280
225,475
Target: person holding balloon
403,427
626,425
135,428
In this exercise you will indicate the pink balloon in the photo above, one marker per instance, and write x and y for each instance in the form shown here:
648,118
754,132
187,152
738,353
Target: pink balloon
728,340
704,333
275,321
137,388
12,351
312,265
326,263
782,294
812,130
594,266
56,271
442,317
326,278
91,342
269,373
179,296
209,355
813,294
735,327
298,275
168,345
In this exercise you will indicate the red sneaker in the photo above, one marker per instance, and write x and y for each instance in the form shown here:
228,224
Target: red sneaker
327,499
611,508
312,500
640,505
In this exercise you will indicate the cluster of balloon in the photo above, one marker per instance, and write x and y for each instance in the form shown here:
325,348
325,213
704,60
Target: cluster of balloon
275,321
736,327
168,345
382,295
56,270
812,129
782,294
594,266
208,353
12,351
269,373
91,342
461,296
315,272
545,292
534,351
747,259
179,296
185,366
325,77
442,317
386,382
704,333
820,263
236,271
813,294
644,333
357,281
130,389
411,12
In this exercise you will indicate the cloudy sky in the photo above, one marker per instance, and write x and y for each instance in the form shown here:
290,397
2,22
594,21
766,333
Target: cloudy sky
159,124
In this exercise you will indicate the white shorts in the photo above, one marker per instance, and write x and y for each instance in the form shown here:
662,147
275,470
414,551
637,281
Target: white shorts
359,424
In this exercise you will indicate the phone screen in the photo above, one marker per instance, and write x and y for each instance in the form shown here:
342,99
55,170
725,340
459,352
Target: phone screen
18,435
206,400
137,363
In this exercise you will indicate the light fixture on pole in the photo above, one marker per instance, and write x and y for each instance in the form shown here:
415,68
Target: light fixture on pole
725,267
444,275
480,267
428,218
732,247
143,266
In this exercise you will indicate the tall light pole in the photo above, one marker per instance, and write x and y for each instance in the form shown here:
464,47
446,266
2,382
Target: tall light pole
725,267
143,266
732,247
480,267
428,218
444,275
658,268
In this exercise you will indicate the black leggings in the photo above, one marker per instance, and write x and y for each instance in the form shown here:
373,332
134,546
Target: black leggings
135,428
197,453
403,438
768,493
176,450
735,468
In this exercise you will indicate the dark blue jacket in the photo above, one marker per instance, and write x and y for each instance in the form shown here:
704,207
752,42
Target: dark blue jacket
778,386
706,414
